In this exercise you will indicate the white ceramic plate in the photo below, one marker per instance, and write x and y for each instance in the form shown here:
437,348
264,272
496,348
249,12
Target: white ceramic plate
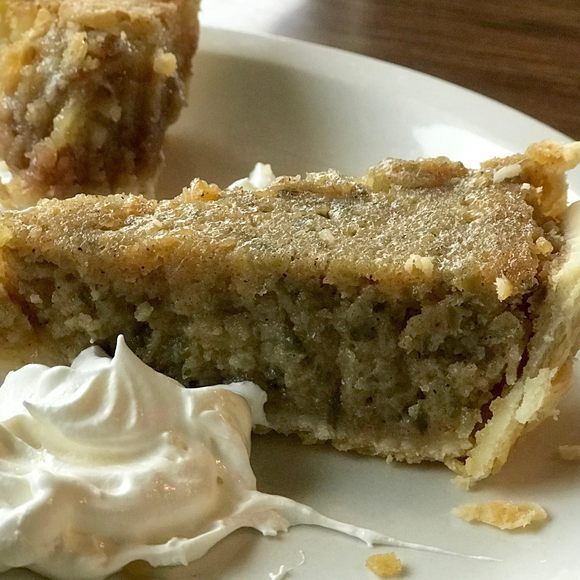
304,107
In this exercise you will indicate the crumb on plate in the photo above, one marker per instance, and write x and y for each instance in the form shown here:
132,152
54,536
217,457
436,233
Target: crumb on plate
384,565
504,515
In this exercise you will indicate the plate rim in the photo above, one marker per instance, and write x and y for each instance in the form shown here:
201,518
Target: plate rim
212,37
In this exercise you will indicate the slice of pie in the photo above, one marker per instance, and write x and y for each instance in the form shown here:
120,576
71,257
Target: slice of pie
422,312
87,90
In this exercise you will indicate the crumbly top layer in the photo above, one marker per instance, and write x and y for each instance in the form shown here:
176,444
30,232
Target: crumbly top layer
119,10
172,19
423,225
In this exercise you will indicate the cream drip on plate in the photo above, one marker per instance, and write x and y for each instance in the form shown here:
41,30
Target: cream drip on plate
107,461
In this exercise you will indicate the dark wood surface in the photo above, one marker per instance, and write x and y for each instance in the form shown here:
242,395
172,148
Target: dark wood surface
524,53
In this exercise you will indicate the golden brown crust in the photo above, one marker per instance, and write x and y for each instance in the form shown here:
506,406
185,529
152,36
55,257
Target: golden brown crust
469,230
524,406
544,166
547,374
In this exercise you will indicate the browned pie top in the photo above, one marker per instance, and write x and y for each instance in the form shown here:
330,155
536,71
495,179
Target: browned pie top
421,224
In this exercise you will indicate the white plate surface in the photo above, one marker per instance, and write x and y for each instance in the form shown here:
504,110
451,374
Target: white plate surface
303,107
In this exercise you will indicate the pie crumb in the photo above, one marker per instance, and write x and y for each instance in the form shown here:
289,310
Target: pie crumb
165,63
569,452
504,288
384,565
423,264
543,246
504,515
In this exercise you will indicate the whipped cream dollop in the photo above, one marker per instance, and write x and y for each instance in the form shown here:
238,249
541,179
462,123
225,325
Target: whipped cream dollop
107,461
260,177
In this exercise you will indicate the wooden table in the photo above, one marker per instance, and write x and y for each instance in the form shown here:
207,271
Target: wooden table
525,53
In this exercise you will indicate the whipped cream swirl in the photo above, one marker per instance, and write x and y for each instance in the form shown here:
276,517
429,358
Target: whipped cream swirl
108,461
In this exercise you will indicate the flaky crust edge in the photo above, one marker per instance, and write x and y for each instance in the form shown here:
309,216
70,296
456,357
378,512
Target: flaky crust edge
547,375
